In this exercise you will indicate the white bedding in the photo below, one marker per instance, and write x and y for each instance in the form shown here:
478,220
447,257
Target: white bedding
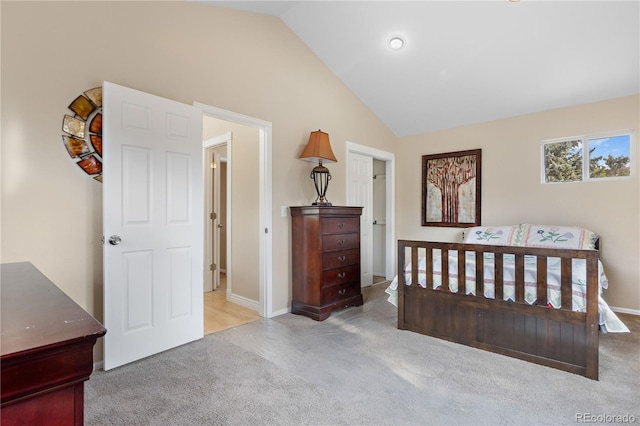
607,318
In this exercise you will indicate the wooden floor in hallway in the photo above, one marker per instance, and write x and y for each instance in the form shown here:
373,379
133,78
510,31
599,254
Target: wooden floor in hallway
219,314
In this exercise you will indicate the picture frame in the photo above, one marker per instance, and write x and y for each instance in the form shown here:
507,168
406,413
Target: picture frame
451,184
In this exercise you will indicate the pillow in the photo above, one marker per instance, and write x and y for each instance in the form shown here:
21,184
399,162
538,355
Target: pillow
548,236
491,235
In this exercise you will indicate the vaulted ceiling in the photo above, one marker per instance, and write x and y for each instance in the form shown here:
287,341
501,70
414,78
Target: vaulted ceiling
467,62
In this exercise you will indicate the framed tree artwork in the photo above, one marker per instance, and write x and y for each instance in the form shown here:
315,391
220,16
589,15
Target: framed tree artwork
451,189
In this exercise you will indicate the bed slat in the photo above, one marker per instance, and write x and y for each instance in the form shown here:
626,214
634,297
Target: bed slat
462,273
479,273
566,289
519,276
541,276
429,271
414,270
444,270
499,276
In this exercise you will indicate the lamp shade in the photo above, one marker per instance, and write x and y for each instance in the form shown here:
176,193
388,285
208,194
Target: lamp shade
318,148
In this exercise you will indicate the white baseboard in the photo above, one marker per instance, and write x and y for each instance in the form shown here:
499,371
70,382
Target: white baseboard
280,312
243,301
625,310
98,365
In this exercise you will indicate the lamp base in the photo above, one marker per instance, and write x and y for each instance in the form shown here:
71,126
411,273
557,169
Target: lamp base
321,203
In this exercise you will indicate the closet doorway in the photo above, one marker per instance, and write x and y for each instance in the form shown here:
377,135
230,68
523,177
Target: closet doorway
384,238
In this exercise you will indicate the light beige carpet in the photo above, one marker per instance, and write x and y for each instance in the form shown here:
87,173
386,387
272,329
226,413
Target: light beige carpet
356,368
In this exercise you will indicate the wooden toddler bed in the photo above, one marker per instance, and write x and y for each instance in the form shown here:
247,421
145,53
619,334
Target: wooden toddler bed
537,304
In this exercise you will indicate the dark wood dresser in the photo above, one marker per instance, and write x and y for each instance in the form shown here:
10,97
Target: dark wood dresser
325,259
46,350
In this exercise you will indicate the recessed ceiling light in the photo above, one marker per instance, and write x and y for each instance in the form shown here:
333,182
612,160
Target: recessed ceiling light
396,42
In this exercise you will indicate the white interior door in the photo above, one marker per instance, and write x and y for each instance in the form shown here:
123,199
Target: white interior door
361,194
153,228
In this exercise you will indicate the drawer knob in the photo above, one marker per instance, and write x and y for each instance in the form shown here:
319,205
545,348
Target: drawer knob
342,292
341,225
342,274
341,258
341,242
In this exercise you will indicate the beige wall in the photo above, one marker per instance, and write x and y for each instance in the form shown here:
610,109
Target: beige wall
245,219
512,192
186,51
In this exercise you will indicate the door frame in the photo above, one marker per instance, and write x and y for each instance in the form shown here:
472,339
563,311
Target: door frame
390,232
265,199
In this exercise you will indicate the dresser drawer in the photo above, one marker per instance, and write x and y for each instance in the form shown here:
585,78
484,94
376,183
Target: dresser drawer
340,275
340,291
340,225
337,259
340,242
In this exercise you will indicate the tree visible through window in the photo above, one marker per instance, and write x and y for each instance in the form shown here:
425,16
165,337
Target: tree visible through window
587,158
609,157
563,161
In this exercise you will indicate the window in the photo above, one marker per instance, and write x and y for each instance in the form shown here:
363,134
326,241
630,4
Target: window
589,157
609,157
563,161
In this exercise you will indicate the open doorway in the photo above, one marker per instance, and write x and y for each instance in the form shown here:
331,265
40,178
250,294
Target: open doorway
240,273
219,312
380,163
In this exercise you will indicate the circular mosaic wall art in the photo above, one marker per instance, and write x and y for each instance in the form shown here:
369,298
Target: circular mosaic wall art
83,132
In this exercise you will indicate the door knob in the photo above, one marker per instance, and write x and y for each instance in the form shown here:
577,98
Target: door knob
219,225
114,240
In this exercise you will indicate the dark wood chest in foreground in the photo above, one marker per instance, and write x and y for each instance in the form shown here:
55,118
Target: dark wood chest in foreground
325,259
46,350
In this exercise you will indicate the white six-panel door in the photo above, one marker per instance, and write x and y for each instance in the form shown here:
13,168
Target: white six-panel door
153,203
361,194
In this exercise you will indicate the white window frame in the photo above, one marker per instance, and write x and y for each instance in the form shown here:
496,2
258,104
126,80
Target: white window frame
584,139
